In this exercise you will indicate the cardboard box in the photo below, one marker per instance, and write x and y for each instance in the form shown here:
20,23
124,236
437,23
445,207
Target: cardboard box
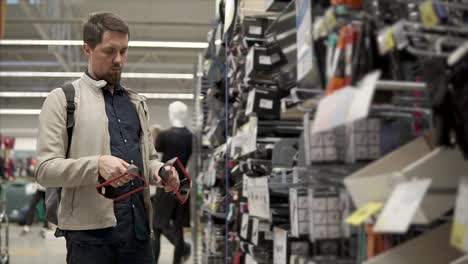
432,247
417,159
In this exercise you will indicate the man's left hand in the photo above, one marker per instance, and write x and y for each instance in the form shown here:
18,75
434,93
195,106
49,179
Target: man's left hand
172,183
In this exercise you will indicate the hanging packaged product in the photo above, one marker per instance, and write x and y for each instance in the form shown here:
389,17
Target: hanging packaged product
308,72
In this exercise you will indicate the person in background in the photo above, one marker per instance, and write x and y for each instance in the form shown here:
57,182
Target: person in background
110,133
170,216
39,196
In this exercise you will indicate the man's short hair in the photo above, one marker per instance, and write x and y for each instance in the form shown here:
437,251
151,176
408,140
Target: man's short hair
100,22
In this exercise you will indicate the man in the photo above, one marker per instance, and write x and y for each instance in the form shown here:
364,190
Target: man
111,132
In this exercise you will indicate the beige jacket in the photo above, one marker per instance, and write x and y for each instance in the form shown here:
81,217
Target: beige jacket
81,207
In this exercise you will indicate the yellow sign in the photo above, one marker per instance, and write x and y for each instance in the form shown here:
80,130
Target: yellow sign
363,213
457,238
428,15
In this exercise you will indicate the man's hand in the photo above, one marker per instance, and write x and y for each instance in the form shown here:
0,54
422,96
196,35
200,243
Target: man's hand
172,183
111,167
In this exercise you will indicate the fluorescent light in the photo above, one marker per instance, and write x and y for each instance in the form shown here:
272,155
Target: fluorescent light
136,75
168,44
175,96
41,74
130,75
132,43
20,111
23,94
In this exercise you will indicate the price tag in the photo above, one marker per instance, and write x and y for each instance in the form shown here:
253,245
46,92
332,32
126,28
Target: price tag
353,102
280,243
459,235
259,197
255,30
294,212
255,223
245,183
244,226
402,206
363,213
266,104
428,15
264,60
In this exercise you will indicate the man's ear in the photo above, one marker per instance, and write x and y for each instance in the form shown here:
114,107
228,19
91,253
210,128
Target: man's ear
86,49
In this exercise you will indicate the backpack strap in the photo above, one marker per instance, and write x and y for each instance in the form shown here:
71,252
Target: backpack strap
69,91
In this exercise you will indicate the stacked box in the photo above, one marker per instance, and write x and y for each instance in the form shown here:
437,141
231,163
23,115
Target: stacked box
323,147
337,144
366,136
299,212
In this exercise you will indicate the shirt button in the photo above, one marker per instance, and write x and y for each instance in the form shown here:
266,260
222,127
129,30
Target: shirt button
132,183
131,161
125,140
133,206
118,120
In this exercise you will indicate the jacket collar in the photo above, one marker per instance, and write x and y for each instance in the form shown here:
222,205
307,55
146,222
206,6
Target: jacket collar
98,85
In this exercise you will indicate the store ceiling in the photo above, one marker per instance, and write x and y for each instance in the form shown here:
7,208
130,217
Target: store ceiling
149,20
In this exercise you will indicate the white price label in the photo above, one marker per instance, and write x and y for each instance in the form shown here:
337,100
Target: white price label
402,206
354,105
259,197
255,223
266,103
255,30
244,226
264,60
280,246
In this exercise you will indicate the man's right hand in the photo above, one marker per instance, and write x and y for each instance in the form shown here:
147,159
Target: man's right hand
111,167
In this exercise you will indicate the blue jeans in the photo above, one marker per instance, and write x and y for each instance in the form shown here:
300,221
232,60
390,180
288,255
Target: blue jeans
131,251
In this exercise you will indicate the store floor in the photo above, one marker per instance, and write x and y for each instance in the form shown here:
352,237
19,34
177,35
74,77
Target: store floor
34,249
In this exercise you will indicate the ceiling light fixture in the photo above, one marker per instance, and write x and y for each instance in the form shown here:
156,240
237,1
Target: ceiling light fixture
132,43
130,75
20,111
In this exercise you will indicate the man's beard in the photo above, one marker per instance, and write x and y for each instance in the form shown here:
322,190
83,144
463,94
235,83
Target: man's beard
113,77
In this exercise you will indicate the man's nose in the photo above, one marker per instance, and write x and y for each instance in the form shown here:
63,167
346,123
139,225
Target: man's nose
118,59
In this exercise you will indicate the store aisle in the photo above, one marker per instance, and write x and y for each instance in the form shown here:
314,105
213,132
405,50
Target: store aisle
34,249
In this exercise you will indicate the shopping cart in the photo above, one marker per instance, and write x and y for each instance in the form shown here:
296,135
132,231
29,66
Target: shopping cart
4,228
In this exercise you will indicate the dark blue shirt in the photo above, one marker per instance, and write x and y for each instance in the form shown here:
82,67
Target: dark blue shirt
125,132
